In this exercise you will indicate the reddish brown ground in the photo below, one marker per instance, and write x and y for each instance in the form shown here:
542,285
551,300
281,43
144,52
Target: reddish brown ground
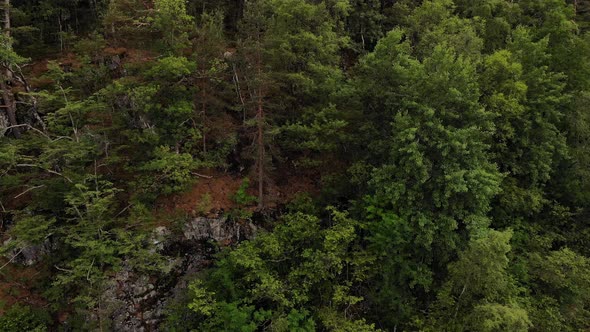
112,51
211,195
15,286
137,56
220,187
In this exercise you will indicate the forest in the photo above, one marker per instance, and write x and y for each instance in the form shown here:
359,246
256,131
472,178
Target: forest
295,165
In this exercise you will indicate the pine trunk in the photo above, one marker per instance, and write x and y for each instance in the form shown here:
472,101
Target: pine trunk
7,96
260,123
204,111
261,152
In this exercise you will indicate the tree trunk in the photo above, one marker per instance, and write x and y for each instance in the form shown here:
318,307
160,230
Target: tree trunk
261,152
6,19
260,123
7,96
61,36
10,107
204,111
6,30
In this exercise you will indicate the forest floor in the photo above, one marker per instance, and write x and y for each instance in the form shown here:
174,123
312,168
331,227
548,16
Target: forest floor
213,193
17,285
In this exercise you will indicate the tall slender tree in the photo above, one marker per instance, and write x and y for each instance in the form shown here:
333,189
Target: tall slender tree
6,79
253,47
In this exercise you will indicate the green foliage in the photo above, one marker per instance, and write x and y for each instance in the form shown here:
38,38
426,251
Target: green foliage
125,22
496,317
241,197
173,22
8,57
480,294
242,200
32,230
438,176
562,277
89,207
268,279
92,247
295,59
456,130
173,169
22,318
365,22
204,205
8,156
435,23
303,203
171,68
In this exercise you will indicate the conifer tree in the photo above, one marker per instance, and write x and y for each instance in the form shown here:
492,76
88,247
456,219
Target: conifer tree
253,48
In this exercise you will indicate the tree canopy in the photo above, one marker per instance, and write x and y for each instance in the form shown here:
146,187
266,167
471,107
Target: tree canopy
399,165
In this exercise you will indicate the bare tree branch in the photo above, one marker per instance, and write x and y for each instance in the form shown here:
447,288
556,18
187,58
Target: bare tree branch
201,175
12,259
62,269
47,170
26,191
30,127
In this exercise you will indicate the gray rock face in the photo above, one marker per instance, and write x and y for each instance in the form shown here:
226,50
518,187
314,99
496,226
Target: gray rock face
218,229
159,237
31,254
139,302
135,302
3,123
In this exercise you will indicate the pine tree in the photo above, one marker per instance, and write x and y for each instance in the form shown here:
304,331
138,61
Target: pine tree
290,63
253,47
213,67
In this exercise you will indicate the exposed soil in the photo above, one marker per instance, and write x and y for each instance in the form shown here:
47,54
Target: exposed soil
205,196
135,55
15,285
208,196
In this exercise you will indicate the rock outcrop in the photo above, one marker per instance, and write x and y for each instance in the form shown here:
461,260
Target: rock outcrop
29,255
4,123
218,229
139,302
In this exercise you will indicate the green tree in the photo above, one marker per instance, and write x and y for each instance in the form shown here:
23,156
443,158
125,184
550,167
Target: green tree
298,277
528,105
480,294
434,21
8,60
253,46
209,50
22,318
562,287
289,55
365,23
95,246
174,23
434,190
126,21
582,10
